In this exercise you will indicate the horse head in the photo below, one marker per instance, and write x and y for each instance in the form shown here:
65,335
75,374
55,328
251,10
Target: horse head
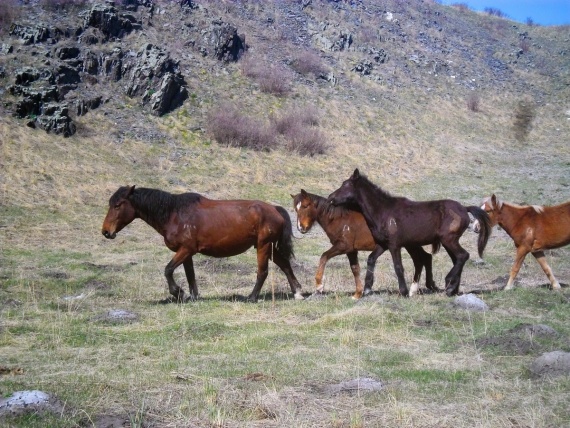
121,212
346,193
492,206
306,211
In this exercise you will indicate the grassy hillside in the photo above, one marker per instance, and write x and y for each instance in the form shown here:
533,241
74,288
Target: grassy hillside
220,362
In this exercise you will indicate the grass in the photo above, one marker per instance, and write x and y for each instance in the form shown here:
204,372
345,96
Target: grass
219,362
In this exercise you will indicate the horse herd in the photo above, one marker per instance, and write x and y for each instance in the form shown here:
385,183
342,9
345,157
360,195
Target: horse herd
358,216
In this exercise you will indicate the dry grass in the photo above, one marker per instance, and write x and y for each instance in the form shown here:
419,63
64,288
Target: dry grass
218,362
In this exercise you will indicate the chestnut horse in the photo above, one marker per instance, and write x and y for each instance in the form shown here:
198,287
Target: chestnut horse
533,229
191,223
396,222
348,234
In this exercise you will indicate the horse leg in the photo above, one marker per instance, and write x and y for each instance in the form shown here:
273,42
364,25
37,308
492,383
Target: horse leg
459,257
428,259
355,267
370,266
263,252
418,260
541,259
522,251
325,257
191,277
285,266
399,269
179,258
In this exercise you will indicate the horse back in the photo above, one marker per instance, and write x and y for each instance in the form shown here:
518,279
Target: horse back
552,226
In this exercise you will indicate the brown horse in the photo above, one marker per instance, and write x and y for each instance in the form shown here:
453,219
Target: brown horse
191,223
396,222
533,229
348,234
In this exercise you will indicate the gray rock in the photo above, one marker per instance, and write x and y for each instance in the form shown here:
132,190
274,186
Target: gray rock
470,302
556,363
23,402
358,384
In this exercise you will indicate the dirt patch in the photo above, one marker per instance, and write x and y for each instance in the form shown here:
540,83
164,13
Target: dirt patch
355,385
523,339
117,316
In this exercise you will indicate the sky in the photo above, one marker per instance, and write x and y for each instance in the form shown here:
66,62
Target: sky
542,12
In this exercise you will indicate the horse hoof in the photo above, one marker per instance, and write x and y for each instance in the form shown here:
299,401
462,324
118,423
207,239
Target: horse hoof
367,292
299,296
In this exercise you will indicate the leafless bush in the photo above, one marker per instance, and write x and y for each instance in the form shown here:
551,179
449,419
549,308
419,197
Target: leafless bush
229,127
530,22
270,78
9,12
473,102
525,111
298,127
524,45
309,62
493,11
306,141
295,118
463,7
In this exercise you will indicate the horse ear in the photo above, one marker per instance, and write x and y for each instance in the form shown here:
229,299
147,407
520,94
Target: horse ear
131,190
303,193
494,201
356,174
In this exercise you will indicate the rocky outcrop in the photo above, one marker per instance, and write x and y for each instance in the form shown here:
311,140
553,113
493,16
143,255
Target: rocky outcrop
228,45
156,78
109,22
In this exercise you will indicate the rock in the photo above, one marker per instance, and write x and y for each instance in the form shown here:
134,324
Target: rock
55,118
24,402
112,65
84,105
228,45
105,18
27,75
364,67
67,52
30,35
156,78
33,100
556,363
470,302
6,49
67,75
118,315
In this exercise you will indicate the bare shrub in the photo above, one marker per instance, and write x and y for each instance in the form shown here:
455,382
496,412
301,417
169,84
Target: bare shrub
306,141
9,12
530,22
309,62
525,112
462,7
271,79
295,118
473,102
231,128
493,11
298,127
524,45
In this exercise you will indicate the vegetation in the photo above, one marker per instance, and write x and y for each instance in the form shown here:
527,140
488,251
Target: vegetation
219,362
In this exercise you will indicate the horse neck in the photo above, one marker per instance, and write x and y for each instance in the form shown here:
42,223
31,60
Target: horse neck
372,199
509,216
323,214
153,206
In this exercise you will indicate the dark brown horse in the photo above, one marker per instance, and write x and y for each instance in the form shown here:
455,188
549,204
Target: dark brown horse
533,229
348,233
396,222
191,223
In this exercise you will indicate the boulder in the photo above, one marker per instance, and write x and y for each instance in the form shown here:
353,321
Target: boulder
470,302
556,363
171,94
55,118
106,18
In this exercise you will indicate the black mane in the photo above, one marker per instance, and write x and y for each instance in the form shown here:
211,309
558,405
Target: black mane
332,211
155,206
383,194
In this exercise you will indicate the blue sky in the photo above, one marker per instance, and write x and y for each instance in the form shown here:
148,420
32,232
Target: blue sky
543,12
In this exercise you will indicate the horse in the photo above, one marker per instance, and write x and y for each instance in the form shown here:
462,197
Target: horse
191,223
348,234
396,222
533,229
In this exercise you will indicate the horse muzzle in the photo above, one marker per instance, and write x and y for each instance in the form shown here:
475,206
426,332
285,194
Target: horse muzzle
108,234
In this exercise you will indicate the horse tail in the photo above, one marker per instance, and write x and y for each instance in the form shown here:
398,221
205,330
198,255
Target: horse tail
285,243
484,229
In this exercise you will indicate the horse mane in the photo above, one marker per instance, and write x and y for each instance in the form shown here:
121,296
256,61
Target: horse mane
537,208
155,206
383,194
330,210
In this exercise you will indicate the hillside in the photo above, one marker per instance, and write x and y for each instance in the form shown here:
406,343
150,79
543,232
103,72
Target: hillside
257,100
